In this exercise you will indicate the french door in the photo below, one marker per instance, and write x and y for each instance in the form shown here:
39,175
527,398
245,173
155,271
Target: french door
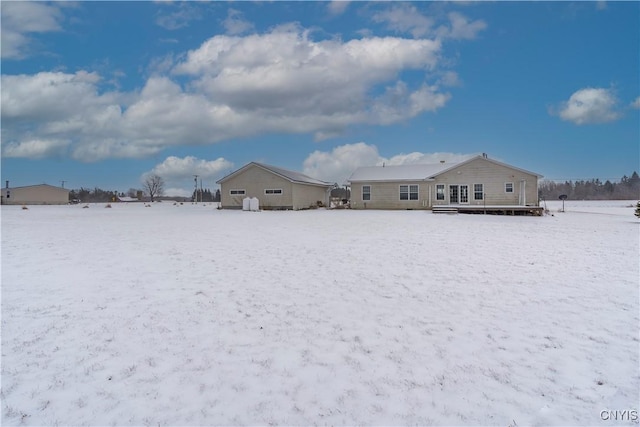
458,194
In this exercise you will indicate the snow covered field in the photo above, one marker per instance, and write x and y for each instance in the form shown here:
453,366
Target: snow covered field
186,315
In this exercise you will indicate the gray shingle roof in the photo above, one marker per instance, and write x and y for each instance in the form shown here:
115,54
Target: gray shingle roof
416,172
292,176
399,173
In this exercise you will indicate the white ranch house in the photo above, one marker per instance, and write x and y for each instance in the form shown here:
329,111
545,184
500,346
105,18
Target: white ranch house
477,182
274,187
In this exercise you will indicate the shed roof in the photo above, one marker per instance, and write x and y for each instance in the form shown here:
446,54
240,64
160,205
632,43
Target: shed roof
293,176
38,185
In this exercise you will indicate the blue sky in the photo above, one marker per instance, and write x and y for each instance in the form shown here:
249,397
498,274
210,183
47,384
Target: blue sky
104,93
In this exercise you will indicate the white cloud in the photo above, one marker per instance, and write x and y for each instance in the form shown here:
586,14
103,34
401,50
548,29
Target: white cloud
636,104
179,16
19,19
234,23
405,18
338,164
450,78
35,148
231,87
303,85
588,106
337,7
178,173
417,158
185,167
461,28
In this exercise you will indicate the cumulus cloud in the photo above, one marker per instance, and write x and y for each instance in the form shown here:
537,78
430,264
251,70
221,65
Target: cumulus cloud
303,85
588,106
35,148
185,167
338,164
337,7
461,28
19,19
178,16
178,173
406,18
282,81
235,24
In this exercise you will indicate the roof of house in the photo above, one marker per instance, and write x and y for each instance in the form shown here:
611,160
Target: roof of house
398,172
293,176
417,172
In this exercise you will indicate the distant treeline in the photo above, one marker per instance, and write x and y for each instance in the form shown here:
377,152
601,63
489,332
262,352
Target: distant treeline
628,188
98,195
205,195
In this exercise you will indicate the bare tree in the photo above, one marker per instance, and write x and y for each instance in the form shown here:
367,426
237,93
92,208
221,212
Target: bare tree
154,185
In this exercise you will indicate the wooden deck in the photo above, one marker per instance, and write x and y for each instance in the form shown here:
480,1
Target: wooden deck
489,210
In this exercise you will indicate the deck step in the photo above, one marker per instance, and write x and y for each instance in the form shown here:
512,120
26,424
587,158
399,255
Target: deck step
447,209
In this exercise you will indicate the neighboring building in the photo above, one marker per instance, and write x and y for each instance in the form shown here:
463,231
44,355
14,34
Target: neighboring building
42,194
274,187
479,181
126,199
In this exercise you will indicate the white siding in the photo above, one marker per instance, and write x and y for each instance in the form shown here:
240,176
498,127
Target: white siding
35,195
255,180
493,176
386,195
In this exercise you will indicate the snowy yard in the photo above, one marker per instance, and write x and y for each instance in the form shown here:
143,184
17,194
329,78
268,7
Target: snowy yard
186,315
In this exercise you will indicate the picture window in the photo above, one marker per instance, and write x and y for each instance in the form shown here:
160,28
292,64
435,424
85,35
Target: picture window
408,192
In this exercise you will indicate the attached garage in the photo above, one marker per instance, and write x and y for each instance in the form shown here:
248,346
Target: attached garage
41,194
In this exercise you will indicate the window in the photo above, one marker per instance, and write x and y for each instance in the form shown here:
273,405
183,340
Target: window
478,192
273,191
237,192
408,192
366,192
508,187
440,192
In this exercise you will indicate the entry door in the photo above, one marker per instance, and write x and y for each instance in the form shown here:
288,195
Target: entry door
464,194
453,194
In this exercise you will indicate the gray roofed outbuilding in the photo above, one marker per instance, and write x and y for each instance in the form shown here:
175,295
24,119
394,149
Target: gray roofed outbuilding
274,187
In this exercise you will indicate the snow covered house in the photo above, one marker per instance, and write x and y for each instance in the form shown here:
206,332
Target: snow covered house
41,194
475,182
274,187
